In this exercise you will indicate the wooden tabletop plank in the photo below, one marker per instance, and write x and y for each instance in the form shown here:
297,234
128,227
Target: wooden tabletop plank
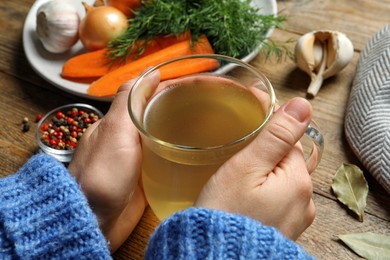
358,19
321,239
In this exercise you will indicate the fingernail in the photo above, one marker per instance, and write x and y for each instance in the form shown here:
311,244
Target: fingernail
298,108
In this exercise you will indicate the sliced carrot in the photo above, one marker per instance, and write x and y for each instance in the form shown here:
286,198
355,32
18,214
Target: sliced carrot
88,65
109,83
95,64
187,67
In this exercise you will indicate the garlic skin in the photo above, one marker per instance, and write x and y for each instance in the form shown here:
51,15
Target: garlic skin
57,25
322,54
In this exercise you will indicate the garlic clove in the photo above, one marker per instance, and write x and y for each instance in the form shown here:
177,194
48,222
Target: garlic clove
57,26
322,54
341,57
305,55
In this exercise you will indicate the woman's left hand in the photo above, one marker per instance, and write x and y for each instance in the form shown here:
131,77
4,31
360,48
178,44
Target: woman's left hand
107,166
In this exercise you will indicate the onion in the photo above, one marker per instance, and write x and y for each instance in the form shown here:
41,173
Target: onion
100,25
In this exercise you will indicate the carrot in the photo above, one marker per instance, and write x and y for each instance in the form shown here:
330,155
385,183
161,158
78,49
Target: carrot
126,6
187,67
109,83
95,64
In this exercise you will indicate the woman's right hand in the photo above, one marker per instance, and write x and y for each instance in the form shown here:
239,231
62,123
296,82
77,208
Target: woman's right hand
268,180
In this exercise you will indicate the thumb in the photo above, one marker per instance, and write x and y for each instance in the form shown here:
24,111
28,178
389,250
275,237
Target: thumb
121,99
282,132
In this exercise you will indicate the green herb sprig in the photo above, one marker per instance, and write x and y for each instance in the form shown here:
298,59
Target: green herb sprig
233,27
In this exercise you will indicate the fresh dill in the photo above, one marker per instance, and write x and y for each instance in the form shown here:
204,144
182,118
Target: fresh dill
233,27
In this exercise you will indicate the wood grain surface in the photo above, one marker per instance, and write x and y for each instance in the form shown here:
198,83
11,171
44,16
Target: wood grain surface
23,93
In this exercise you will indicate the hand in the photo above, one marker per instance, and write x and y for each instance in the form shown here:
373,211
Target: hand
268,180
107,165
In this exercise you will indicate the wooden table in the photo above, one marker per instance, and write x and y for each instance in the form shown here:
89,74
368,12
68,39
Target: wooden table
25,94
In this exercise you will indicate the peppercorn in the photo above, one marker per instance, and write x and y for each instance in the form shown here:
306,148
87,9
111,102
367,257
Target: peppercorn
74,113
59,115
38,117
25,125
65,128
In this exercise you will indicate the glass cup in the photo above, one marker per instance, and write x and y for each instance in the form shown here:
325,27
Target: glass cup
192,119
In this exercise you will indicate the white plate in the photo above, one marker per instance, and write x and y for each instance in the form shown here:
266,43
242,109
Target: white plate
49,65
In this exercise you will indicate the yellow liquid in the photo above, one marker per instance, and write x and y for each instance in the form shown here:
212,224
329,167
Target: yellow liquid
196,113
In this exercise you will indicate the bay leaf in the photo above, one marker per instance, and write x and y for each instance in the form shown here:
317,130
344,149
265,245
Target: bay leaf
351,188
368,245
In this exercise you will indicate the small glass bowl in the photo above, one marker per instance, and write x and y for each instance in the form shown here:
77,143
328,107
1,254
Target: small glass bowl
63,155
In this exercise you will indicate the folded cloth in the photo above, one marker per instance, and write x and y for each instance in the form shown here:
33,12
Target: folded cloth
367,121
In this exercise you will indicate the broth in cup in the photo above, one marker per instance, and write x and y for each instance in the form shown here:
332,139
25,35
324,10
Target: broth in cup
191,125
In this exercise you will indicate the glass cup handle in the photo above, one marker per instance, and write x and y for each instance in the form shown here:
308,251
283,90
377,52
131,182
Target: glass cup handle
316,140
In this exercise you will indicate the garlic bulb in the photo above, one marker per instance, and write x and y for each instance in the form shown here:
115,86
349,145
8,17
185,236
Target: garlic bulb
57,25
322,54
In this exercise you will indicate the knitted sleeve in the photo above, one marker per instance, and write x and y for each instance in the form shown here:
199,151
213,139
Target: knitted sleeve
44,215
198,233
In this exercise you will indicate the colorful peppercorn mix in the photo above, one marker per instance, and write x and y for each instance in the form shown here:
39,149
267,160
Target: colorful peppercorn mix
64,129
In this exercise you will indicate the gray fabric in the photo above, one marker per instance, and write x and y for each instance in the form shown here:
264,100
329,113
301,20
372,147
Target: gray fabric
367,122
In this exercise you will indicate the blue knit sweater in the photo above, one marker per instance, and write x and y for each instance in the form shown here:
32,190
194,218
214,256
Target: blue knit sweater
44,214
